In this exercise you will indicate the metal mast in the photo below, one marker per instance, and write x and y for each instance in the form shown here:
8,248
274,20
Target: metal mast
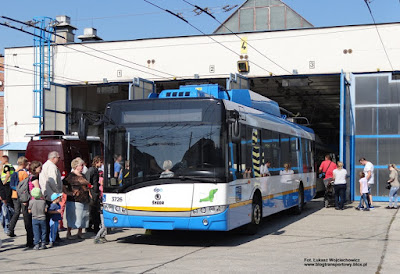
42,63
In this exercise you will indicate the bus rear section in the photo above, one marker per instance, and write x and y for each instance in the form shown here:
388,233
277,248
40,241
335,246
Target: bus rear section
165,165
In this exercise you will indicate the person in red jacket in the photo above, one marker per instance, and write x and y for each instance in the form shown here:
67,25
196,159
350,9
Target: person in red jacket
327,167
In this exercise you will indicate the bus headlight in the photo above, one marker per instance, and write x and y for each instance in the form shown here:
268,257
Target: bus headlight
209,210
114,209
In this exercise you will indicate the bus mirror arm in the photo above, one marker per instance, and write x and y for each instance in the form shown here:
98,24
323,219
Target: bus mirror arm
83,127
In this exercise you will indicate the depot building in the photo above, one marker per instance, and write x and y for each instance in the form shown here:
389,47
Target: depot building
341,81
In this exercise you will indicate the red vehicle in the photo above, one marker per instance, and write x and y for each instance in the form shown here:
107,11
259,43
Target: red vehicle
68,146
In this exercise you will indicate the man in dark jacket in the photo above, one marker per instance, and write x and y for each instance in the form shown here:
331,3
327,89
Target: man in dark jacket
92,176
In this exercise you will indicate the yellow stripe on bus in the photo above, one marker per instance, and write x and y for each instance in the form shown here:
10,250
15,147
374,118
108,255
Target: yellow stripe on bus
240,204
183,209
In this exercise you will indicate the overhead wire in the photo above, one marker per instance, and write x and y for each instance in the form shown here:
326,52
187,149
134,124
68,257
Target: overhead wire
143,14
110,61
30,71
377,30
209,36
20,29
248,44
98,57
396,83
117,57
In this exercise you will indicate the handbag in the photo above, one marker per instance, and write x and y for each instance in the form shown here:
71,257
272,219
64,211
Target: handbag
388,185
322,174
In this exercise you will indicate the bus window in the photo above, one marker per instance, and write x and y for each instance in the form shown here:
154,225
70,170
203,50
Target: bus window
246,147
256,152
294,153
307,155
270,150
310,147
285,151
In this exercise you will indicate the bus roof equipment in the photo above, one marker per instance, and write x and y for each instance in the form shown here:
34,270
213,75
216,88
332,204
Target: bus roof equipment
241,96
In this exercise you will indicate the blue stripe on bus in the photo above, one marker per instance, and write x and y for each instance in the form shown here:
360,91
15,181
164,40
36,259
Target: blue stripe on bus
377,136
217,222
281,168
243,142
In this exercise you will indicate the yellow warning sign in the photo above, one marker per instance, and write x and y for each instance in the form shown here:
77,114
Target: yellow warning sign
243,47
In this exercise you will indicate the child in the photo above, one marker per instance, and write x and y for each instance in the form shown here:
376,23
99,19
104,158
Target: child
55,216
363,192
38,208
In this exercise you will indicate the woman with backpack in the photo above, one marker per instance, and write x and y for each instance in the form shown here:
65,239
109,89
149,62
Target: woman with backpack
18,176
29,183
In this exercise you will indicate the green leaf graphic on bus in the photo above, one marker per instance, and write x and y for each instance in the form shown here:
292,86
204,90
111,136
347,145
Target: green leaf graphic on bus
210,197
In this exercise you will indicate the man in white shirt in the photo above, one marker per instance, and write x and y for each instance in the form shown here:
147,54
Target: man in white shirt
369,175
50,177
264,169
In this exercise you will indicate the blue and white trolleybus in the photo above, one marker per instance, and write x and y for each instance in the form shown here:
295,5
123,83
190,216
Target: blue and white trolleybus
194,159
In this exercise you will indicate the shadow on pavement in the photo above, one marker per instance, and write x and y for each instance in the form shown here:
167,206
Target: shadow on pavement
271,225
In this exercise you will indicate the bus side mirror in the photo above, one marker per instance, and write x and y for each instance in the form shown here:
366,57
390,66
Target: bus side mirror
234,126
235,129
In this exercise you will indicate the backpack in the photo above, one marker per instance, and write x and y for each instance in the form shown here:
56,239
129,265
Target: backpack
12,171
24,194
14,180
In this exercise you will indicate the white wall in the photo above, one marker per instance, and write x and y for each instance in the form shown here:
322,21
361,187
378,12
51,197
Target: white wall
18,95
183,57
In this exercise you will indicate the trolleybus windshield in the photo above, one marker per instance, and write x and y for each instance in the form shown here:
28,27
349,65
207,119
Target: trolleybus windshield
173,149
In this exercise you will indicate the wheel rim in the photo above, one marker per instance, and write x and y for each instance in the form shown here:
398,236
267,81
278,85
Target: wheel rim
257,214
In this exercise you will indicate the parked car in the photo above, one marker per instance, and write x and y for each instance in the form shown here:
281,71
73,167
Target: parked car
68,146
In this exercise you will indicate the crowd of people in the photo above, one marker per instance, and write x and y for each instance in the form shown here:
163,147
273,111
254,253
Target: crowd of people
334,173
40,193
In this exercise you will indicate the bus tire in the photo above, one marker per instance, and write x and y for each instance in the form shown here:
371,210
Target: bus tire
300,205
256,215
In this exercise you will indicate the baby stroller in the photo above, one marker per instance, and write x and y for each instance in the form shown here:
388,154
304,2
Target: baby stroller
329,197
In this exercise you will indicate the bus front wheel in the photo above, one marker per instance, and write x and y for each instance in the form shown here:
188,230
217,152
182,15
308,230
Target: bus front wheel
300,204
256,216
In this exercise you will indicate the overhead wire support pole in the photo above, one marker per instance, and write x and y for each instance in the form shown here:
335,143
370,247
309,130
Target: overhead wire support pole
209,36
212,16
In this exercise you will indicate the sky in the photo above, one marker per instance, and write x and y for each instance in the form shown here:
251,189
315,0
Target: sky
134,19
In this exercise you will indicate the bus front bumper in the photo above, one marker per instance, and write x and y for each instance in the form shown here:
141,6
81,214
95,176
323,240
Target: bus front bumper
217,222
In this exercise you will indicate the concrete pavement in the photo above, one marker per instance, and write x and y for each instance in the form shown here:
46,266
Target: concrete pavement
319,240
